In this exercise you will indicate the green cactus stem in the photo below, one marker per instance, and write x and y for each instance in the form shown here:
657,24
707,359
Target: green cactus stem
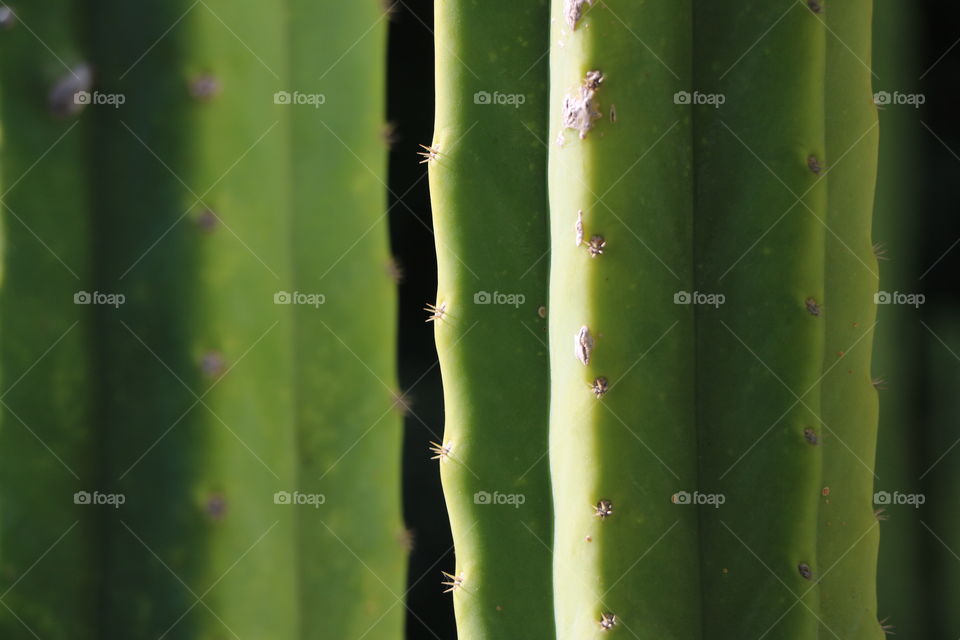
487,166
347,405
193,227
49,443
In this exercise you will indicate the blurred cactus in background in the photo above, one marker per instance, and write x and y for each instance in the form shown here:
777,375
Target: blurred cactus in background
200,435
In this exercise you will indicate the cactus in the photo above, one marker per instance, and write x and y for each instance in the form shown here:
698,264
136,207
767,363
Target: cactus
205,204
48,449
488,183
349,434
686,166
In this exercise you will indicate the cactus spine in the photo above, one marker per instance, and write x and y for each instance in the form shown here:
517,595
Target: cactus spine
488,182
49,575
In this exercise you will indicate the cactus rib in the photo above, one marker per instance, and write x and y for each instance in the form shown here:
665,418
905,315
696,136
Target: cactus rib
488,182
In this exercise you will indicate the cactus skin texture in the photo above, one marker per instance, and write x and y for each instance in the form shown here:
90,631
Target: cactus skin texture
349,428
199,476
49,565
634,446
737,400
849,536
488,183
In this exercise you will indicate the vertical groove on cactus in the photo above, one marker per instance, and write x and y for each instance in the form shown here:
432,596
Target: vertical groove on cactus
48,441
350,549
197,364
487,169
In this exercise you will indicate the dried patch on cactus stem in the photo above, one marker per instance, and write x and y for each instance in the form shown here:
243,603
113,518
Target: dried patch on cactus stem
599,387
596,246
815,6
437,312
583,345
810,436
573,10
581,110
542,311
579,228
805,571
603,509
429,154
607,621
814,165
452,582
63,98
813,307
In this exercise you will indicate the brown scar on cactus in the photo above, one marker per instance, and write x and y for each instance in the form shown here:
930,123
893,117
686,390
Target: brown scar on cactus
814,164
581,110
63,98
805,571
204,87
573,10
815,6
583,345
452,582
603,509
813,307
810,436
437,312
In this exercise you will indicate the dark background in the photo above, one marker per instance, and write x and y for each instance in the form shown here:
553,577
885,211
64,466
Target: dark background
933,164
